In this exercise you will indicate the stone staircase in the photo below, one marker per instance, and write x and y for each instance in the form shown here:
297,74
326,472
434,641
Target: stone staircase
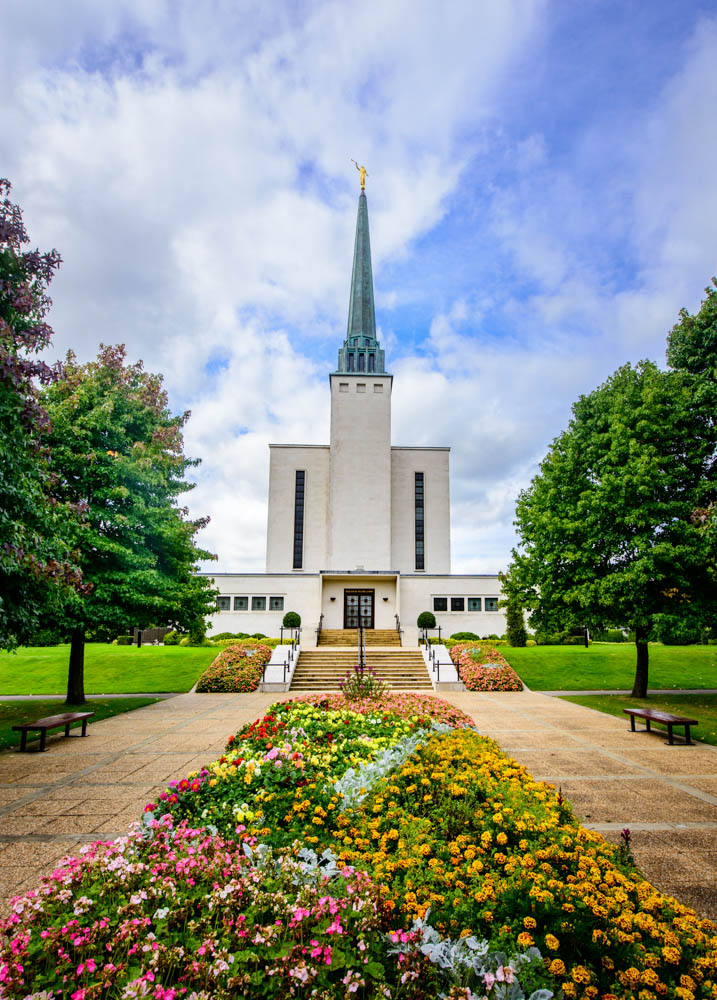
322,669
349,637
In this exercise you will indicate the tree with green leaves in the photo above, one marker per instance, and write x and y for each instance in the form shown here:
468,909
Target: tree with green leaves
117,450
692,348
607,532
37,566
515,629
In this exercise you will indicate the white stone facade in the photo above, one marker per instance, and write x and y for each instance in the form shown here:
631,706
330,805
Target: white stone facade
358,522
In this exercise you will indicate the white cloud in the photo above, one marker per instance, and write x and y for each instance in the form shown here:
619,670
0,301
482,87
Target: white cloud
192,164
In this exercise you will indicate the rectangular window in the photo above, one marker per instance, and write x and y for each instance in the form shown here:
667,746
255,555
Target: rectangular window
474,603
299,519
352,363
440,604
258,604
458,604
362,362
241,603
224,603
343,387
360,387
372,362
419,520
491,603
276,604
377,387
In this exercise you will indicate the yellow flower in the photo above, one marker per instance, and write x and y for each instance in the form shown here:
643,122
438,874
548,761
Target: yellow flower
557,967
529,923
580,974
525,940
552,942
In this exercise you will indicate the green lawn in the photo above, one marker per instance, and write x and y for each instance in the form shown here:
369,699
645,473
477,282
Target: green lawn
702,707
108,669
606,665
14,713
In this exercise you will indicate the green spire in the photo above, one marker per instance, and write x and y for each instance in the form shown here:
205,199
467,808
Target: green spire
361,351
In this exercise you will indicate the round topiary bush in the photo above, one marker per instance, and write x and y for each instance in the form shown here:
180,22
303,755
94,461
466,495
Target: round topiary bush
426,619
292,619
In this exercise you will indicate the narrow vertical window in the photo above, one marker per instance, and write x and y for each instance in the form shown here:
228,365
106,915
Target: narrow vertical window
299,519
419,508
372,362
362,362
351,363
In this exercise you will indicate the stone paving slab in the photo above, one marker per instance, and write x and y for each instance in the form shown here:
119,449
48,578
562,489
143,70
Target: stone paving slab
87,789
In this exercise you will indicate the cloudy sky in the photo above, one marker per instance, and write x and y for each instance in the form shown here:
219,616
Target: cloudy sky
541,197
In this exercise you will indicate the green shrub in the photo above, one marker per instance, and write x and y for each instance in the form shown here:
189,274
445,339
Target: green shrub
464,636
673,631
171,639
47,637
124,640
223,635
530,642
609,635
426,619
256,635
516,632
548,638
292,619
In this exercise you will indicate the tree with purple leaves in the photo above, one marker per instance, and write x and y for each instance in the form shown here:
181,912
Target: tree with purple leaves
37,565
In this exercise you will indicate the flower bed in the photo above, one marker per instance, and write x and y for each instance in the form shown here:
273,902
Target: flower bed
236,669
483,668
446,870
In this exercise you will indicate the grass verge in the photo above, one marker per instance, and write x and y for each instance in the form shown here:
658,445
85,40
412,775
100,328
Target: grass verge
606,665
696,706
108,669
14,713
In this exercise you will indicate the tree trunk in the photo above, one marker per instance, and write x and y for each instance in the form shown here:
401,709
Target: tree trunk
76,674
639,688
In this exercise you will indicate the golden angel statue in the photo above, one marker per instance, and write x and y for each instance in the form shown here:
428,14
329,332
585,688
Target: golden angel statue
364,174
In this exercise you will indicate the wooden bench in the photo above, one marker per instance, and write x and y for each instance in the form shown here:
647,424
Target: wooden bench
655,715
52,722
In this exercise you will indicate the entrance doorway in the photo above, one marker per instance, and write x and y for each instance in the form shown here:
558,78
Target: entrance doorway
358,608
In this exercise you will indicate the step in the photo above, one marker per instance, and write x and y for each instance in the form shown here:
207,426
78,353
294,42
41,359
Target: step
323,669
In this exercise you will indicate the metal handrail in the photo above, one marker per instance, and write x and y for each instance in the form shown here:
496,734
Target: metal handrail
318,630
361,639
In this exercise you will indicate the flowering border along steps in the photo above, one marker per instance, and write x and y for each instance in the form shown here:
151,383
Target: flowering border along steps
324,669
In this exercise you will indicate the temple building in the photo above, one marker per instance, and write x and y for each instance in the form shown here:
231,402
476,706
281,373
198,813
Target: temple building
359,529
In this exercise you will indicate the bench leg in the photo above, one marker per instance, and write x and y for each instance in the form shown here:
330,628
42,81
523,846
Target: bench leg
67,729
688,741
632,723
670,740
84,727
647,725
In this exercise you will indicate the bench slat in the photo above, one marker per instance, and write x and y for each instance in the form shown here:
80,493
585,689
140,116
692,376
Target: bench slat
53,721
657,716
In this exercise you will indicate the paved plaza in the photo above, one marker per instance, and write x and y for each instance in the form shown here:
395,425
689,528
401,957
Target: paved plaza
91,789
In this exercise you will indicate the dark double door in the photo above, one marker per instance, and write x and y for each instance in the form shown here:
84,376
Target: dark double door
358,608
